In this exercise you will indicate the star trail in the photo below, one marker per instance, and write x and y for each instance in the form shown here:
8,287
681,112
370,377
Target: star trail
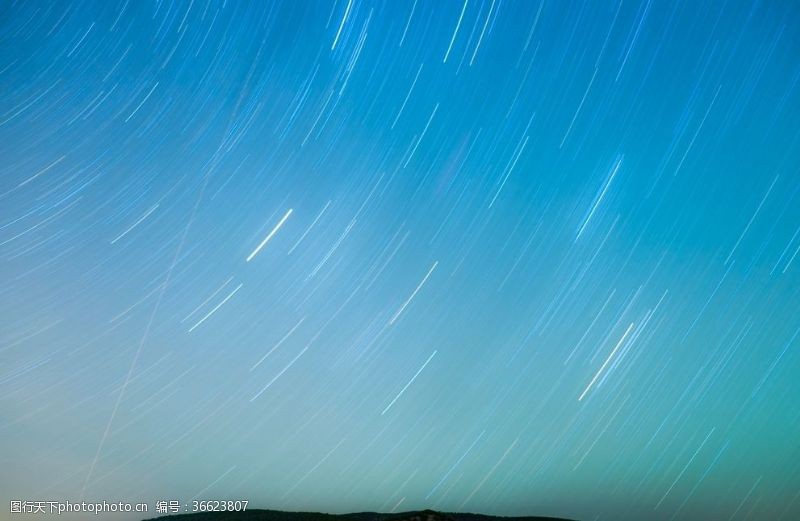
500,256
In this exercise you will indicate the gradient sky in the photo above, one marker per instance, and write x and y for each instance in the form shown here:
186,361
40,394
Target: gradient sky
500,256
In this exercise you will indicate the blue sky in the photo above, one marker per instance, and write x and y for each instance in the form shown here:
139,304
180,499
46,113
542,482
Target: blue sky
506,256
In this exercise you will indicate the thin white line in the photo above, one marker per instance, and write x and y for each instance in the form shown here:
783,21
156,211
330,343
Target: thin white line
405,304
575,116
751,220
142,103
509,172
226,299
487,476
308,229
600,198
606,362
480,39
453,39
685,467
268,237
290,364
402,39
422,135
341,25
195,310
276,346
790,260
213,483
43,170
400,112
409,383
397,505
134,225
146,334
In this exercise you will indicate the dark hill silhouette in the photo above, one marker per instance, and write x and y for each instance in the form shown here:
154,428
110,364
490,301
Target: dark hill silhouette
276,515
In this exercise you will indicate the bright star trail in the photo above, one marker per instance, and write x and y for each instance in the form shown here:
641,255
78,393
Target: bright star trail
269,236
498,256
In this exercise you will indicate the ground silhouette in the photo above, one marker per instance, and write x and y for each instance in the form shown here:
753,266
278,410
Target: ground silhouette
276,515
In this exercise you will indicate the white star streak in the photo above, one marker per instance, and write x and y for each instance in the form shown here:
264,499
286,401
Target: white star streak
276,346
408,384
489,474
42,171
341,25
621,340
134,225
685,467
408,301
226,299
268,237
599,198
455,33
290,364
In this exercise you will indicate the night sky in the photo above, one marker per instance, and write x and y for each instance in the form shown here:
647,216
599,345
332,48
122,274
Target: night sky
497,256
